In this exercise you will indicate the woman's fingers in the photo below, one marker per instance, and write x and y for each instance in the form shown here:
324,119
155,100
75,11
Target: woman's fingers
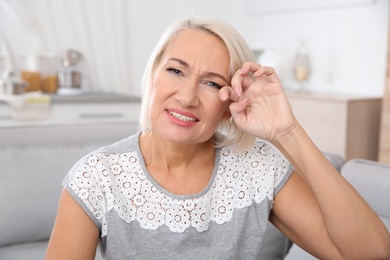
268,72
238,112
239,83
243,78
259,71
226,93
250,67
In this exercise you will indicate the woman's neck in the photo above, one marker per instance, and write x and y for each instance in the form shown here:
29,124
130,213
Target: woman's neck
180,169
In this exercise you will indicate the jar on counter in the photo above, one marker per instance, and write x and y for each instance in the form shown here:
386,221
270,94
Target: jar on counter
49,69
30,72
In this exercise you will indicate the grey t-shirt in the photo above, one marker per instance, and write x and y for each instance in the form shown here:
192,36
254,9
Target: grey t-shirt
138,219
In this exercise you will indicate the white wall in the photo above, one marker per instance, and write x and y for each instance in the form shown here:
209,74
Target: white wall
349,43
148,19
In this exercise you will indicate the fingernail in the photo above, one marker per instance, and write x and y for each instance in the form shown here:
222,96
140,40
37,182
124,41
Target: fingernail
237,91
224,96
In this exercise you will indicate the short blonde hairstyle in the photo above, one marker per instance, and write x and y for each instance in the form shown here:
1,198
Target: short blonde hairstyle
227,132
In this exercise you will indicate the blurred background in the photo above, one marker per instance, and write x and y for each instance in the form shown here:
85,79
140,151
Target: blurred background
344,41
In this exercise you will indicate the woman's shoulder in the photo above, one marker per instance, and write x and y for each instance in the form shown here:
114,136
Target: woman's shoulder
120,148
124,145
260,147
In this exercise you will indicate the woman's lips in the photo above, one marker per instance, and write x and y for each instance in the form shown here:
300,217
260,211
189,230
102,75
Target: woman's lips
183,116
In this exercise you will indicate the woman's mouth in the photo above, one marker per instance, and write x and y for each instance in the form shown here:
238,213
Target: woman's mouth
182,117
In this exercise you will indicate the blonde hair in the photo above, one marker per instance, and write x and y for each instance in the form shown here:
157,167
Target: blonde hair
227,132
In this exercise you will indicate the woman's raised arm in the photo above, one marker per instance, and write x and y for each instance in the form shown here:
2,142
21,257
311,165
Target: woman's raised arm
321,211
318,209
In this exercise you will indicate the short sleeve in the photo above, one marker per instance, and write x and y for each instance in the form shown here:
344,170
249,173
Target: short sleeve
84,183
277,166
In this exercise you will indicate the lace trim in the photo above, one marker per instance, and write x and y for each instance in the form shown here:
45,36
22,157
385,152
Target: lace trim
106,182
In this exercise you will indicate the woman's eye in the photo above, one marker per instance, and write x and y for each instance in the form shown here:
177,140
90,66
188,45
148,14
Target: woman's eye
212,84
175,71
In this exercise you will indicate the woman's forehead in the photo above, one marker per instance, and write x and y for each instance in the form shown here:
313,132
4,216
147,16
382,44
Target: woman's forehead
197,45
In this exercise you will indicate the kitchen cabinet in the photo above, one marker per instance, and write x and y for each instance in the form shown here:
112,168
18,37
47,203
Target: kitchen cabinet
79,109
347,125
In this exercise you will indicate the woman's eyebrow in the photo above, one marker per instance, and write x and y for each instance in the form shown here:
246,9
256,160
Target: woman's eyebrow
207,74
213,74
182,62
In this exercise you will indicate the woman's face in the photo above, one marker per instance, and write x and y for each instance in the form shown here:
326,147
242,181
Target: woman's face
185,106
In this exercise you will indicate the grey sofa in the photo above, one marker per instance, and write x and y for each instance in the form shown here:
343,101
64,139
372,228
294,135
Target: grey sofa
372,181
34,160
33,163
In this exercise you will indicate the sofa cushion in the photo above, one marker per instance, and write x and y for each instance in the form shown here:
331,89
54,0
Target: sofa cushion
31,179
371,179
32,171
35,250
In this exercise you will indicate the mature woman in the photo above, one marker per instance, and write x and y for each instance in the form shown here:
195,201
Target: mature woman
219,154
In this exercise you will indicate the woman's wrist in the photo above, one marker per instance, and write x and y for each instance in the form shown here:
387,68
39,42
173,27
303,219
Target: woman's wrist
290,137
297,146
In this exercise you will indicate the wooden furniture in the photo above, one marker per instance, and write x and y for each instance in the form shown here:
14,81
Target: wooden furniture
384,141
343,124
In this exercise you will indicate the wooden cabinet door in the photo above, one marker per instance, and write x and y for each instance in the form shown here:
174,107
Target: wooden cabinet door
384,140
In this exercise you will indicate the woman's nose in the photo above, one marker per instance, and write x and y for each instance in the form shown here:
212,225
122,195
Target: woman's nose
189,93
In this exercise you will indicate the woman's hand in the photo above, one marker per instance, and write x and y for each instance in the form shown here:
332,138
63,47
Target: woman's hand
259,105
